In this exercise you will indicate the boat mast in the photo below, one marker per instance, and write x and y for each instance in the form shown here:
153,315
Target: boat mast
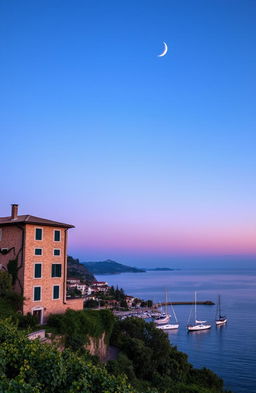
195,307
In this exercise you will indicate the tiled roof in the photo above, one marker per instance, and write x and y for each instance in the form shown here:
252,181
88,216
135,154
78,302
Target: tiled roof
27,219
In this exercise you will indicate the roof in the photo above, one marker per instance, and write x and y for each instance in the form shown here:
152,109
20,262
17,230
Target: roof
27,219
99,283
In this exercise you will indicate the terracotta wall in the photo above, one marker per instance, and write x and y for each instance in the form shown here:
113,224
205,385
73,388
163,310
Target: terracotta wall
12,237
46,259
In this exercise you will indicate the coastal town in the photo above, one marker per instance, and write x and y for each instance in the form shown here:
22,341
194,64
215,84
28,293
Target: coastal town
100,294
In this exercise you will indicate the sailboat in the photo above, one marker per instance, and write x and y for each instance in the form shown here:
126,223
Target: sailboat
220,319
198,325
170,326
163,318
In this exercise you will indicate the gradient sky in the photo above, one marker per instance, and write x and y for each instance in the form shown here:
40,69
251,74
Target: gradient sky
148,157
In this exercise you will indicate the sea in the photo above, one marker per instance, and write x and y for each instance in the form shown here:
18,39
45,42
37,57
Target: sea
229,350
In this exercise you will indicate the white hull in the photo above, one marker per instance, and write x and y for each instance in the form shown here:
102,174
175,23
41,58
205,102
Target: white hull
162,321
194,328
221,322
168,326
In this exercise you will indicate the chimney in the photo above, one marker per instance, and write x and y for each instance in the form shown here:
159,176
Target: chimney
14,211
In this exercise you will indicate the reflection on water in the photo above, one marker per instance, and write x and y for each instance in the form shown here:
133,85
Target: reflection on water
229,350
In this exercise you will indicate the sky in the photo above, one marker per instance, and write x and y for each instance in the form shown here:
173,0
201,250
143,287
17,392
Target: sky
151,158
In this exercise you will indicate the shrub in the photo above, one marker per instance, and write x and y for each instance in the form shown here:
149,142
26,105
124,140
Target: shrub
31,367
78,326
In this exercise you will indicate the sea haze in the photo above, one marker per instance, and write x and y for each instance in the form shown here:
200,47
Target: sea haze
229,350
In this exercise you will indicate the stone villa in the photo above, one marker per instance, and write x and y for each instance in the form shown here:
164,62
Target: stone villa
34,250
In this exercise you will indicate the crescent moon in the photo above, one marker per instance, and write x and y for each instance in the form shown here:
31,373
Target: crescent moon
165,50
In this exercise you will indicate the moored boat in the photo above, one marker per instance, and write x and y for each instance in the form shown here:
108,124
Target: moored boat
220,319
198,325
162,319
168,326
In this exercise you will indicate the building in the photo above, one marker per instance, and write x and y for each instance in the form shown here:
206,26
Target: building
73,283
34,250
99,286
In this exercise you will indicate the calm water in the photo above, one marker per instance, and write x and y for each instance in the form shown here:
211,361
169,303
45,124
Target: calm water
229,350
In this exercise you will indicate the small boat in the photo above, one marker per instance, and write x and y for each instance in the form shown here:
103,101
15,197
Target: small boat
168,326
220,319
198,325
162,319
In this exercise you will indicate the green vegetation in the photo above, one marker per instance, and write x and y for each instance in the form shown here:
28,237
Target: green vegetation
31,367
77,326
91,303
146,361
145,357
149,361
110,267
13,269
11,304
74,292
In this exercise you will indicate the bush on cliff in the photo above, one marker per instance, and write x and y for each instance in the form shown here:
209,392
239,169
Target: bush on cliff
31,367
148,359
78,326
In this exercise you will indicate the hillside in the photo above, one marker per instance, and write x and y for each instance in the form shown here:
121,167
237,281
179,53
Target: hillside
110,267
78,270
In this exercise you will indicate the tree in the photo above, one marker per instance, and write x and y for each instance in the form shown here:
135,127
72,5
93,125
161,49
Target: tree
32,367
5,282
156,363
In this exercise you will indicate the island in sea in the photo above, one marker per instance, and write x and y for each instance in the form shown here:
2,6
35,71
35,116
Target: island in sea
110,267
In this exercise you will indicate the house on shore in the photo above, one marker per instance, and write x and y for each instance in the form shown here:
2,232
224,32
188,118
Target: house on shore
34,251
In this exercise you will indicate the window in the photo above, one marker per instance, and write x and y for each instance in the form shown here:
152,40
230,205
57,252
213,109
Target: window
1,234
37,294
38,270
38,251
39,234
56,252
56,270
57,236
56,292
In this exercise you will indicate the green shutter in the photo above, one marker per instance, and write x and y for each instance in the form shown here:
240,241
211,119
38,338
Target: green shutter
38,270
56,292
56,270
37,293
38,234
56,236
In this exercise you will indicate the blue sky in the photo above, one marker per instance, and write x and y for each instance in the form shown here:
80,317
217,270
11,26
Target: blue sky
147,156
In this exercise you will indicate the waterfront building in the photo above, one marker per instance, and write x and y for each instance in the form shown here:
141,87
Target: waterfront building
99,286
34,251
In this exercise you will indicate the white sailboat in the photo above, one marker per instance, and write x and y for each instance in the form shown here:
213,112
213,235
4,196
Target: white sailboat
198,325
163,318
220,319
170,326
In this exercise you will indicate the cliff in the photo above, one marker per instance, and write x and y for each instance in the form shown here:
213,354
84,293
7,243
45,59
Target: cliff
78,270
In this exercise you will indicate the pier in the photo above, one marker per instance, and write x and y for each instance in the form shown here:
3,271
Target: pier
204,303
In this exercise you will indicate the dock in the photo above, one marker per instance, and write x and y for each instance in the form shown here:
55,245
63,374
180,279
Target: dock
203,303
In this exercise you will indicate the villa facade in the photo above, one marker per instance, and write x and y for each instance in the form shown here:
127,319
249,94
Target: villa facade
34,251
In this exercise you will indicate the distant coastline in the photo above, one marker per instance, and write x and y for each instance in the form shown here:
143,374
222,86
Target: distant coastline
112,267
160,269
